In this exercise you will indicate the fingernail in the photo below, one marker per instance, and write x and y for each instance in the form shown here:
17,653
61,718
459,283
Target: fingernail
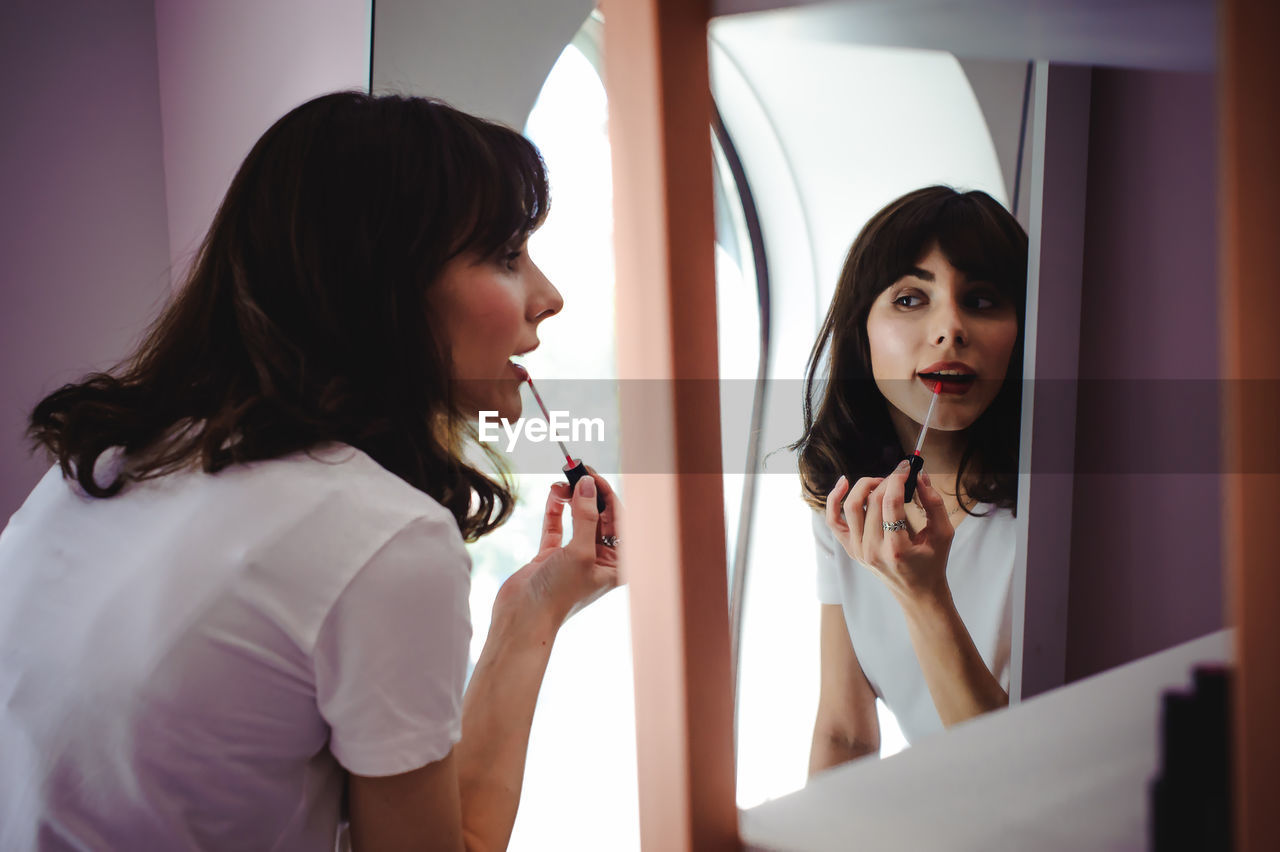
587,486
840,481
904,464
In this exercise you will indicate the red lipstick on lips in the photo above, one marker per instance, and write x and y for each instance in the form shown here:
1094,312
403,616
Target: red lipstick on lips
960,384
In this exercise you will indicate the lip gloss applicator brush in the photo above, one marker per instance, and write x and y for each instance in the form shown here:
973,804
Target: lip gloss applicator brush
917,460
574,469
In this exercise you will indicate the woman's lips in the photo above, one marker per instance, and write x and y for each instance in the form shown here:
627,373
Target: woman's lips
955,386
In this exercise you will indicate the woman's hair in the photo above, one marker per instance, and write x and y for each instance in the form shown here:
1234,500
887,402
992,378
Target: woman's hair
847,429
305,318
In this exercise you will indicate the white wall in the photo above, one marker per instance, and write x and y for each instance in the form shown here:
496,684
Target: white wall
488,57
1174,34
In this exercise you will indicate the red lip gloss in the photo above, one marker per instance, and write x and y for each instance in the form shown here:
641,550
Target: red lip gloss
917,460
574,469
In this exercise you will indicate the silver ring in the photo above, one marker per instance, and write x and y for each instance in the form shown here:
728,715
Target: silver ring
609,540
895,526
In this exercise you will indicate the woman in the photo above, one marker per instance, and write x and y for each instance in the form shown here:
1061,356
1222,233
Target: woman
242,591
916,606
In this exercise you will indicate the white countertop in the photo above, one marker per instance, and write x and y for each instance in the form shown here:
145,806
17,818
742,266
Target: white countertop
1068,770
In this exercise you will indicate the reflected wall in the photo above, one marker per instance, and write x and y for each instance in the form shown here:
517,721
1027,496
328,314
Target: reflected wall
1146,568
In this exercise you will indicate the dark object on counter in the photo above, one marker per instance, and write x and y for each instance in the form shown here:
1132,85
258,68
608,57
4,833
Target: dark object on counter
1191,796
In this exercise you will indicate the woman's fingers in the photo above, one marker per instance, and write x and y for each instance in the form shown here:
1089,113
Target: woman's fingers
610,518
855,507
585,519
835,502
853,515
553,517
872,531
893,503
609,528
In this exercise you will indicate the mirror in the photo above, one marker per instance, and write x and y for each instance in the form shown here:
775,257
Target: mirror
828,131
837,131
1120,289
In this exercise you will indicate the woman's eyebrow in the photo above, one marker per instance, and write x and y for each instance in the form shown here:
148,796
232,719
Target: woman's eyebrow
922,274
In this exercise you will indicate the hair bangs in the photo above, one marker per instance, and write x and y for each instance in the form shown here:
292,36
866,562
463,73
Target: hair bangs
980,243
508,196
895,241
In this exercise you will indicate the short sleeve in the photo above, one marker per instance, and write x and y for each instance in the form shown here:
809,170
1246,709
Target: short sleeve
391,657
825,548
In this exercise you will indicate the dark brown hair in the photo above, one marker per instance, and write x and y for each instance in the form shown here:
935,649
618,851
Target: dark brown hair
847,429
304,319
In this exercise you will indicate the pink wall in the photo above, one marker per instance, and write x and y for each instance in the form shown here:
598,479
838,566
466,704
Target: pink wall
84,248
1146,563
123,124
227,71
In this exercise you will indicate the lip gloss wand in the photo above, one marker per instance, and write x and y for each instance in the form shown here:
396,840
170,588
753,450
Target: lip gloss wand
917,460
574,469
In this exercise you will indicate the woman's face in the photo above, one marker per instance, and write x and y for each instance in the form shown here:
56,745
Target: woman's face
932,320
490,309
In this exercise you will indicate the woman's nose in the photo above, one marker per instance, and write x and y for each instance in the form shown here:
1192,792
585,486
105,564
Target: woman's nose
546,299
949,324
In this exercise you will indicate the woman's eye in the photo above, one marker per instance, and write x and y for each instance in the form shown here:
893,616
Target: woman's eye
512,259
984,301
905,300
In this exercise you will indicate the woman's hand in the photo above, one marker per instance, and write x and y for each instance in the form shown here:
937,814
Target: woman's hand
561,580
914,567
497,710
912,564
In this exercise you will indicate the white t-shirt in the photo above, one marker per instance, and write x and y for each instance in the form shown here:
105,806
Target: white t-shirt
192,663
980,576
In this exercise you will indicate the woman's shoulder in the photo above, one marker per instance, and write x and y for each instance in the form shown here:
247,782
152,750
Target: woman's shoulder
991,515
358,476
336,482
986,521
330,514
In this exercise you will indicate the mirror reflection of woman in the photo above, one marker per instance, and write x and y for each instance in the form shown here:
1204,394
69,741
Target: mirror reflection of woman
916,595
